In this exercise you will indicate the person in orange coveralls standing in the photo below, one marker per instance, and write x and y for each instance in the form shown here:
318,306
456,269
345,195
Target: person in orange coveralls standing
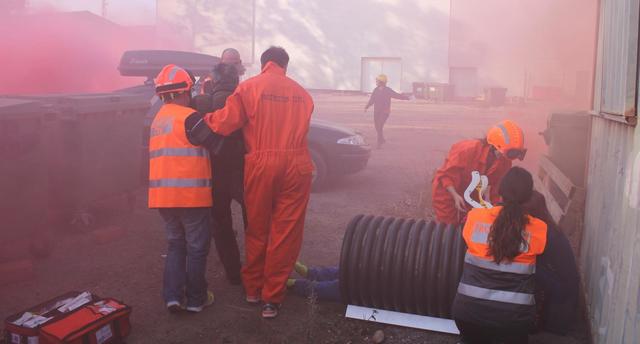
274,113
491,157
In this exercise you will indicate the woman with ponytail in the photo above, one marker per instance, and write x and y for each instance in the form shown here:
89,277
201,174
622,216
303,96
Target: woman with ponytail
495,298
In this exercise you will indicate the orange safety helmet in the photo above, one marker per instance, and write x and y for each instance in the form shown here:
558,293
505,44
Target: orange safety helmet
508,138
173,79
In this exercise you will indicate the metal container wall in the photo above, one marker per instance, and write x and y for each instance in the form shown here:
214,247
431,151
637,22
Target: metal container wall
617,56
95,152
610,255
23,176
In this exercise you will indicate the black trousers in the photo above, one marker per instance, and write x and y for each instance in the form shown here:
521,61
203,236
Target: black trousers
223,235
379,119
476,334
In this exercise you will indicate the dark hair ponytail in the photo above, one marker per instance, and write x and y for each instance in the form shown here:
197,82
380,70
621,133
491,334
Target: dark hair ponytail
507,232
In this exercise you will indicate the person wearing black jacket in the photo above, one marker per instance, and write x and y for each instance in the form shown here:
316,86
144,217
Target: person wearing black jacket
557,273
227,170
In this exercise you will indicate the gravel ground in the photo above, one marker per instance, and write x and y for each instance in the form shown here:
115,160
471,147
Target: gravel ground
128,265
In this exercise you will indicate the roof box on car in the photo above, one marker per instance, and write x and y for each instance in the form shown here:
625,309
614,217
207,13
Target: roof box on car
148,63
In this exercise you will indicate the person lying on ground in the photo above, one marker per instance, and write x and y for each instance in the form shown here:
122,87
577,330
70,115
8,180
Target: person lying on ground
323,282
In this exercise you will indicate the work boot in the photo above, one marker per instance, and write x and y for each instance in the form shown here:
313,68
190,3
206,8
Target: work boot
301,269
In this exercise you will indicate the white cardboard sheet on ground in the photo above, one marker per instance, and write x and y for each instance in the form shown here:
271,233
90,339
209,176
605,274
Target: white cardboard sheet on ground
402,319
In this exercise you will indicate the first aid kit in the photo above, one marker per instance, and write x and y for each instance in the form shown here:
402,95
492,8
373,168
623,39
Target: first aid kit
71,318
24,327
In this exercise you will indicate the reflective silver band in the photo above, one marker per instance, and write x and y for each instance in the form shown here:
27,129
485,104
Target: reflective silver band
162,128
179,183
505,133
496,295
195,151
513,267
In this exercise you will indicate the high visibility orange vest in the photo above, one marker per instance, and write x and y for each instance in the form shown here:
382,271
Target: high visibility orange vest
179,172
497,293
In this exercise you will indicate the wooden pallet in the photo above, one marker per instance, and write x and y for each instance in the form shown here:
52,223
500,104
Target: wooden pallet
565,201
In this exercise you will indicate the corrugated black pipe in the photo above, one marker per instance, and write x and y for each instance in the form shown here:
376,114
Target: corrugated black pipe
403,265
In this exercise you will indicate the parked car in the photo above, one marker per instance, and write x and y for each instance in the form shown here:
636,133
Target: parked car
335,150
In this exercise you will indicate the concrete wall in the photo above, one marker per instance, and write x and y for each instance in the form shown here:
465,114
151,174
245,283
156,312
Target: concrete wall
326,39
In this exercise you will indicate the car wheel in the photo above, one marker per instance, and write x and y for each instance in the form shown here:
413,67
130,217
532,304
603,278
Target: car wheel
319,170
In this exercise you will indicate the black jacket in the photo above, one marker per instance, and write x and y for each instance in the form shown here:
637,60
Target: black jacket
381,99
228,164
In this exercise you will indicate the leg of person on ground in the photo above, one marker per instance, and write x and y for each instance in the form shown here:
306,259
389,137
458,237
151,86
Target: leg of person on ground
224,235
197,222
323,274
324,290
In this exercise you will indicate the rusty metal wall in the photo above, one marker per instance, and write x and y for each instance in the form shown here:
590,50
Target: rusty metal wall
610,256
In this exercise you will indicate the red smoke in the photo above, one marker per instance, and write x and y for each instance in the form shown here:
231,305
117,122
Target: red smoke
538,49
65,52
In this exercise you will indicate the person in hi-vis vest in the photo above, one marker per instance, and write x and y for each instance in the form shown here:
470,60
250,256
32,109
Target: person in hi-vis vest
180,188
495,299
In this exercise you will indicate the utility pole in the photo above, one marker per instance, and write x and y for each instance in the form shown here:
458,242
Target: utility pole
105,4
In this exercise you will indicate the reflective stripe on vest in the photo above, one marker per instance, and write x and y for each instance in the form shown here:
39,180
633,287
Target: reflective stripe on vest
513,267
179,183
163,127
496,295
195,151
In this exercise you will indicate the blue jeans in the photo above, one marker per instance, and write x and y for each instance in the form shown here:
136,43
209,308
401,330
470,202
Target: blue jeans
189,238
323,282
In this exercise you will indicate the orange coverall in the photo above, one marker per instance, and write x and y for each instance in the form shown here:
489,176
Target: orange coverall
465,157
274,113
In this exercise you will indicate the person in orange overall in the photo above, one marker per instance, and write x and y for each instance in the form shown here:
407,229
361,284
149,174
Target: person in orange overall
491,156
274,113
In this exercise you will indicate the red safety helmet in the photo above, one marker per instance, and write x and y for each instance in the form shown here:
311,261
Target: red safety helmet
173,79
508,138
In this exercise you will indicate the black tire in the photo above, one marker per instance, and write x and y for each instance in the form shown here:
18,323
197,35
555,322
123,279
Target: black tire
320,173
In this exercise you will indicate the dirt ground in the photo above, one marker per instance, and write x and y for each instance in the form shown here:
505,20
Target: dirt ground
129,266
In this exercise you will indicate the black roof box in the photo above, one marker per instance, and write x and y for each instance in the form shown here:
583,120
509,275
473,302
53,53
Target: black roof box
148,63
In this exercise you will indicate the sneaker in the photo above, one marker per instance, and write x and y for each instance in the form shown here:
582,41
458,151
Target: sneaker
174,306
253,299
207,303
270,310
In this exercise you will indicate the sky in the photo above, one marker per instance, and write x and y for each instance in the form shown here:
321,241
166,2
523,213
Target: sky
127,12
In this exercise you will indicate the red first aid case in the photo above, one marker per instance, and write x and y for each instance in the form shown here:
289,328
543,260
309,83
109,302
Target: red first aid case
29,334
105,321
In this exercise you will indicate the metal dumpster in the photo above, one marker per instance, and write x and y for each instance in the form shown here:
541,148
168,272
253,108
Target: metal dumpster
95,152
23,171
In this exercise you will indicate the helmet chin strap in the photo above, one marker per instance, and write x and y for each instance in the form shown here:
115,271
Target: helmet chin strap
478,184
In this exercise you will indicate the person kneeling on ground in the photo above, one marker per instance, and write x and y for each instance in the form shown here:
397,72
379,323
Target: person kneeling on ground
495,296
491,156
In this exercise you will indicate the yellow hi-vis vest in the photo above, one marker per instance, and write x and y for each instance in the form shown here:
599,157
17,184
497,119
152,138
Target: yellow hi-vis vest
179,172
